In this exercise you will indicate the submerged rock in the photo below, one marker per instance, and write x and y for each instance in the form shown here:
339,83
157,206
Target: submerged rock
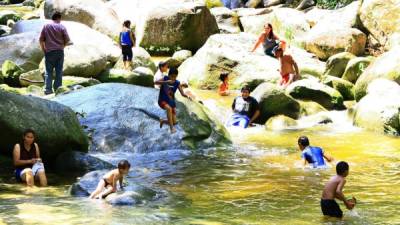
379,110
131,195
56,125
273,101
128,120
280,122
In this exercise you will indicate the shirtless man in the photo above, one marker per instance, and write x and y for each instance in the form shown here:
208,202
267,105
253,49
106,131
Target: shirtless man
333,189
289,69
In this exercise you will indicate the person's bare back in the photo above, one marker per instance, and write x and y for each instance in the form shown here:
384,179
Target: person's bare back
287,65
331,187
112,177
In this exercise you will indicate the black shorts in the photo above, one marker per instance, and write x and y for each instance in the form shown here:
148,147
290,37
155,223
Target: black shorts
127,53
330,207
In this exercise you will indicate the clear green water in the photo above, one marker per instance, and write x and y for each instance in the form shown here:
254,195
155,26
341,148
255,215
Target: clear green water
258,181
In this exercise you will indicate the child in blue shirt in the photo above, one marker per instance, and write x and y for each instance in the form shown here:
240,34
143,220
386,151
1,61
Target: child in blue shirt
312,155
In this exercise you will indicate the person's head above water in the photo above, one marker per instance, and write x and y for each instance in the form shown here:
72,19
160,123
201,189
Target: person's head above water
56,17
163,66
245,92
303,142
269,30
124,166
127,24
28,136
342,169
172,73
223,76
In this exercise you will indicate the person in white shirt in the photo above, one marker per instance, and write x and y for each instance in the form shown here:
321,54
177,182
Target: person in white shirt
161,73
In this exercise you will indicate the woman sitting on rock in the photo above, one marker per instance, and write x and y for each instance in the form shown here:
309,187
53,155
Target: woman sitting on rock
269,41
27,161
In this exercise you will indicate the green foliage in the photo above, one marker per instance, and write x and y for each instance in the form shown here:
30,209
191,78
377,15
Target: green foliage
333,4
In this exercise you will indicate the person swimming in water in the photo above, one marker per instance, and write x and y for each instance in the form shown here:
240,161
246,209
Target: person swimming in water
312,155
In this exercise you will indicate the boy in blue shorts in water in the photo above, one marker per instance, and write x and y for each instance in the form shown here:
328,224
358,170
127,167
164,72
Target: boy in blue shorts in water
312,155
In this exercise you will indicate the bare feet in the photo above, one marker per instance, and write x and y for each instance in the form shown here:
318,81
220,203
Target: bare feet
173,130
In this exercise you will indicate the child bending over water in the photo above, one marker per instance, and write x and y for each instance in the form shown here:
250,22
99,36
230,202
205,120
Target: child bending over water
108,184
333,189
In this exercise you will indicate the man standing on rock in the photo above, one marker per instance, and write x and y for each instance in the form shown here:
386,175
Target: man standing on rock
53,39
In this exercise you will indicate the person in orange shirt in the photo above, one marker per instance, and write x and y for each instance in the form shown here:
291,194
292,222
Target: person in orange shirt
224,86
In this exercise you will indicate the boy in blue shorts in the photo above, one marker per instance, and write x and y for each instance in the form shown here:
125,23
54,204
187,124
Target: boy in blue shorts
166,99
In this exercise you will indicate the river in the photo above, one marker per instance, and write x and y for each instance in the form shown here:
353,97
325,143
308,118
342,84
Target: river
258,180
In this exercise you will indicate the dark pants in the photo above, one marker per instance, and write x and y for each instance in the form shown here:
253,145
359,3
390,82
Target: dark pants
54,60
127,53
330,207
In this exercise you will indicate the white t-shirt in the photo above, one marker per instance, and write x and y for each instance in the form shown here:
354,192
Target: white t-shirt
158,76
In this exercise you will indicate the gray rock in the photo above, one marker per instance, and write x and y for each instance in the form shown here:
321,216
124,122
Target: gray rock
227,20
128,120
57,127
73,161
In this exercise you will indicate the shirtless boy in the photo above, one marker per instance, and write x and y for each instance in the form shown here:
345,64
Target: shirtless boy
108,184
333,189
289,69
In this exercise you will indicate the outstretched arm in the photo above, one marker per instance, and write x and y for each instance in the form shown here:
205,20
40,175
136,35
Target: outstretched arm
259,41
182,92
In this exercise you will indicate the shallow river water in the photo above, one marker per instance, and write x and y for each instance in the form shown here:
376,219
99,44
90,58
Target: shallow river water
259,180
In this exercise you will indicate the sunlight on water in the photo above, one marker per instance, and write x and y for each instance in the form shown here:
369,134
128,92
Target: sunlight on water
259,180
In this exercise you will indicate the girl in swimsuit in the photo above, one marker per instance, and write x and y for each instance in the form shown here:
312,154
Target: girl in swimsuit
269,41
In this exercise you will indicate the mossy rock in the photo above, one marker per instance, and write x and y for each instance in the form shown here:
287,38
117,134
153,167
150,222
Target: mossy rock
128,77
308,108
336,64
11,73
6,15
310,89
356,67
280,122
19,91
33,77
85,82
345,87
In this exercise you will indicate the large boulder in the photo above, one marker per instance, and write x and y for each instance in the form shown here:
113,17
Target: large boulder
56,125
273,101
74,161
379,110
230,53
167,28
254,24
94,13
11,73
128,120
141,58
86,57
135,77
325,43
307,62
382,19
310,89
328,37
355,67
345,88
336,64
22,49
385,66
178,58
227,20
33,77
